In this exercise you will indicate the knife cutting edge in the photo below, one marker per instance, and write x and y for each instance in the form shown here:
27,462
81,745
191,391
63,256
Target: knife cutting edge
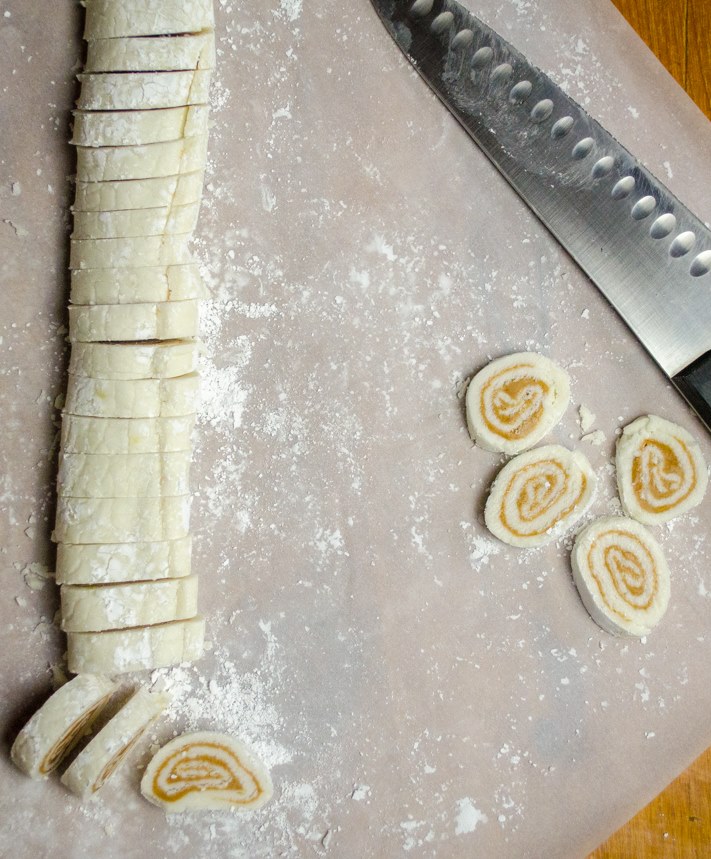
647,253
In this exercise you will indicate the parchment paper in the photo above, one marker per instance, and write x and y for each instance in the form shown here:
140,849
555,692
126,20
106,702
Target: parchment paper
414,685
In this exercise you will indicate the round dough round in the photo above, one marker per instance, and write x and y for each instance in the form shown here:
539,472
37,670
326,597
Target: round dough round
622,575
661,472
515,400
538,495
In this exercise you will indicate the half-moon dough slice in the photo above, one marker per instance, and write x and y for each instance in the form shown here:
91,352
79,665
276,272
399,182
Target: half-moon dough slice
661,471
622,575
515,400
161,360
178,190
130,252
137,284
165,320
112,563
105,752
60,723
135,223
151,53
108,19
82,434
206,770
132,398
143,90
139,127
538,495
124,475
153,160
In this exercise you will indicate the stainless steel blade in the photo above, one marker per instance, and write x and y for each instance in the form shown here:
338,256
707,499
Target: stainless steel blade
649,254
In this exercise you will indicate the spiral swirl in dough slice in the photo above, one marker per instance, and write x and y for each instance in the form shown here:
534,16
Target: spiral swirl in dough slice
661,472
514,401
622,576
538,495
206,770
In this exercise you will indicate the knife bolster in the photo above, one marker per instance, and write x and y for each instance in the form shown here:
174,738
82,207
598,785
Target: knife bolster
694,382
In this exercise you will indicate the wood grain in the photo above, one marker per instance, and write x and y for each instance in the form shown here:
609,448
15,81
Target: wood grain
677,824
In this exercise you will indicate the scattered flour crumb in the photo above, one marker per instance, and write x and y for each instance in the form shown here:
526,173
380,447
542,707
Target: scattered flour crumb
360,792
468,817
597,438
587,418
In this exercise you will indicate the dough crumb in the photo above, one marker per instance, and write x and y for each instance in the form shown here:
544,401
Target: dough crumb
597,437
586,418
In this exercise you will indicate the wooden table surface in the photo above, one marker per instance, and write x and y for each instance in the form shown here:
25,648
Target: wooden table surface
677,824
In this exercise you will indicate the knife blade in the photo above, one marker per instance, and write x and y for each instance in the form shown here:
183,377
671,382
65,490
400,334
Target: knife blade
646,252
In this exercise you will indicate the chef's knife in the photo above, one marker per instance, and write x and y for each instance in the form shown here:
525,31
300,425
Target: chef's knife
647,253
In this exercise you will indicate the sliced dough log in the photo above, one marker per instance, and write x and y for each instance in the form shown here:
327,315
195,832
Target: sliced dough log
161,360
661,471
137,649
105,752
206,770
538,495
133,223
122,520
82,434
108,19
137,285
167,320
95,608
132,398
124,475
514,401
60,723
139,193
151,54
139,127
112,163
143,90
129,252
109,563
622,575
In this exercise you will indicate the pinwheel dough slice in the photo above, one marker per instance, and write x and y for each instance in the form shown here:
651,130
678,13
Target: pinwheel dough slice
122,520
143,90
129,252
138,127
137,285
131,398
134,223
661,471
95,608
124,475
153,160
622,575
105,752
82,434
166,320
112,563
151,53
516,400
206,770
163,359
60,723
107,19
178,190
140,648
538,495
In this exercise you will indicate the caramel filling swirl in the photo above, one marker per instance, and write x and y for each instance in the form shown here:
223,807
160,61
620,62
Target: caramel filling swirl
624,571
513,401
663,474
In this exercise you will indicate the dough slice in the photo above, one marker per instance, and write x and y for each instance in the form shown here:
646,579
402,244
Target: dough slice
111,163
105,752
124,475
129,252
143,90
94,608
661,471
108,19
122,520
139,193
516,400
151,54
206,770
166,320
110,563
134,223
60,723
538,495
132,398
160,360
137,285
622,575
139,127
141,648
81,434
